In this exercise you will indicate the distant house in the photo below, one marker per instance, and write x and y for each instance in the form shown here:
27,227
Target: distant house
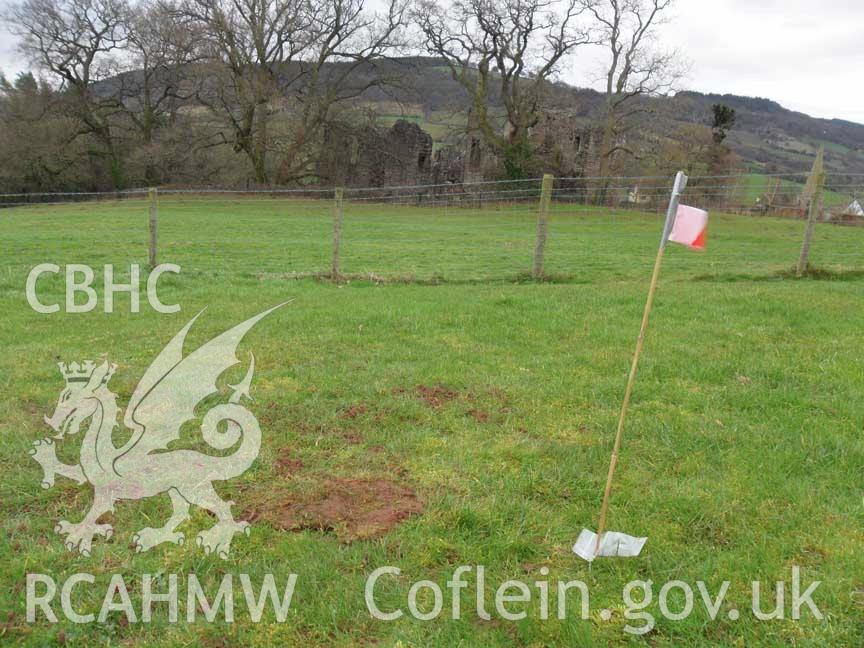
854,209
852,212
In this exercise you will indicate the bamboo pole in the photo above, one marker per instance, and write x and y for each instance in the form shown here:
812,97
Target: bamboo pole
680,183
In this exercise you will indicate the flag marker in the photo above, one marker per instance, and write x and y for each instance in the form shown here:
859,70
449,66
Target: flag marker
688,226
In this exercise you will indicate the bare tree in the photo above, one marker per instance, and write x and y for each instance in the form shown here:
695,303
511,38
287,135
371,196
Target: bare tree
77,42
349,42
512,47
636,67
34,139
278,68
160,53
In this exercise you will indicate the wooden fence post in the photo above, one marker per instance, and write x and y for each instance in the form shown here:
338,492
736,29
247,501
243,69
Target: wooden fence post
542,226
154,225
337,231
815,185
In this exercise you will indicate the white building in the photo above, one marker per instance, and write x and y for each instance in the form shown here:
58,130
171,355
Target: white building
854,209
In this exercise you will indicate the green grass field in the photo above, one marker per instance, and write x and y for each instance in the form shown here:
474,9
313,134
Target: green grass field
756,185
491,396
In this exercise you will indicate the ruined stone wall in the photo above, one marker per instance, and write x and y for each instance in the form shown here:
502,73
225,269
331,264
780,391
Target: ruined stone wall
371,156
563,147
402,155
566,148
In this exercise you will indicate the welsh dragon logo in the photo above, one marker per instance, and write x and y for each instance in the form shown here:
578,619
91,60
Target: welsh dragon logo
144,466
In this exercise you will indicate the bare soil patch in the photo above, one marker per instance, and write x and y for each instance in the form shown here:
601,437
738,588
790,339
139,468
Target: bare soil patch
354,411
287,465
479,415
352,508
435,396
352,437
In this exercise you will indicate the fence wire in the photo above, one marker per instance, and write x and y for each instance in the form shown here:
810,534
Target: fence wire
598,229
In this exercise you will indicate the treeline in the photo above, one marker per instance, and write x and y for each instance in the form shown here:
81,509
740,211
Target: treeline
241,92
198,91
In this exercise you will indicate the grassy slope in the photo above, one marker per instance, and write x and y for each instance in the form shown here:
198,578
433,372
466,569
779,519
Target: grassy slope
744,452
767,136
756,185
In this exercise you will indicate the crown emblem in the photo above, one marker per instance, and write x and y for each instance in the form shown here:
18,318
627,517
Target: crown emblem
81,372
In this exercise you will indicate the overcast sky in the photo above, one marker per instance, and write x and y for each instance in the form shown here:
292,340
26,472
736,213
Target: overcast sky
807,55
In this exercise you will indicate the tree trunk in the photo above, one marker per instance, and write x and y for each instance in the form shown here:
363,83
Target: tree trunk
260,143
607,143
115,161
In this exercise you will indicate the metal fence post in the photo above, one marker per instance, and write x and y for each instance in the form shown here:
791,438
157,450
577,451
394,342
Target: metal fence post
542,226
154,225
337,231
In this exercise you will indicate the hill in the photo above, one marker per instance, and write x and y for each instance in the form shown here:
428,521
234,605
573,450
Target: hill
767,137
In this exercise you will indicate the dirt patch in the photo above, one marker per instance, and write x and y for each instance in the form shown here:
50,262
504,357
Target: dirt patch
354,411
286,464
478,415
353,509
352,437
435,396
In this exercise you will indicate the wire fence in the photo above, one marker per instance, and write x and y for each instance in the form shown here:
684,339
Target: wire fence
592,230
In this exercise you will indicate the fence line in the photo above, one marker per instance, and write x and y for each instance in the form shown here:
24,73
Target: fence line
632,182
528,225
733,197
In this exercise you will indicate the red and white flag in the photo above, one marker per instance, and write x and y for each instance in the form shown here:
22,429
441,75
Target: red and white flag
690,228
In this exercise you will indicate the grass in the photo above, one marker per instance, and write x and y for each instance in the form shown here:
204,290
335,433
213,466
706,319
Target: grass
743,454
756,185
272,238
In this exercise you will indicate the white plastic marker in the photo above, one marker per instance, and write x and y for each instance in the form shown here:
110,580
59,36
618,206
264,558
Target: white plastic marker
688,226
